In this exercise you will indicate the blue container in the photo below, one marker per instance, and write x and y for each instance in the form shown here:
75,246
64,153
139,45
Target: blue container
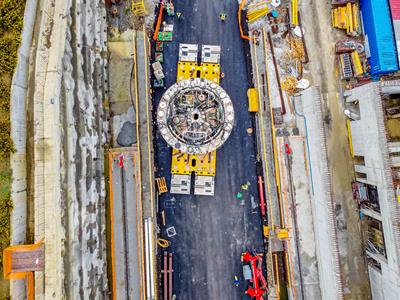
379,31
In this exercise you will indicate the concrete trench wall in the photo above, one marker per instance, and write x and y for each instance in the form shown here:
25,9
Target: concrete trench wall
84,89
69,132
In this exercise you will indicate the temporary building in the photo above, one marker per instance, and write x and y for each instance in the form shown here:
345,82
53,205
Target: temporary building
378,29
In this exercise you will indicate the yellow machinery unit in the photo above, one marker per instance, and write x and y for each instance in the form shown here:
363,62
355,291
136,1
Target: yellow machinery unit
252,96
200,164
195,117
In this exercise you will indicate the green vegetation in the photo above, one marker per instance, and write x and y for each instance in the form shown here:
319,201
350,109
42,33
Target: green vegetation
11,21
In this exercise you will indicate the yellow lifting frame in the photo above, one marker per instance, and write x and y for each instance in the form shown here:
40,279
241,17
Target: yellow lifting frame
201,164
188,70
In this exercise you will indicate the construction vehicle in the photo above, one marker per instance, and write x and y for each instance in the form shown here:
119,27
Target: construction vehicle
252,272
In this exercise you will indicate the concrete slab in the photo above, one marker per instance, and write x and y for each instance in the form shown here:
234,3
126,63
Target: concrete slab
301,209
180,184
323,206
204,185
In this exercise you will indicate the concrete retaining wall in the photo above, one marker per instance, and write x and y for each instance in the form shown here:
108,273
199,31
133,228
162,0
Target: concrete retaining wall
47,163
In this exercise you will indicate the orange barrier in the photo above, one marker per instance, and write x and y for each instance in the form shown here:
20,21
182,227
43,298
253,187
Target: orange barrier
159,19
242,4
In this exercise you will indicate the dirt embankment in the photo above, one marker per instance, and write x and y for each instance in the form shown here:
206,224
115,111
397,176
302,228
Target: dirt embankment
11,21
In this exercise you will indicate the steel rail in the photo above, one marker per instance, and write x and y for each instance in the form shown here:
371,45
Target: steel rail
125,231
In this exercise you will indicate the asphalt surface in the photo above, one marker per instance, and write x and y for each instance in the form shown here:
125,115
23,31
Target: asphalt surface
212,232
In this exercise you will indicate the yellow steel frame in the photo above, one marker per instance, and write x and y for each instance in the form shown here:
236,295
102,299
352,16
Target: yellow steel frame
138,7
202,164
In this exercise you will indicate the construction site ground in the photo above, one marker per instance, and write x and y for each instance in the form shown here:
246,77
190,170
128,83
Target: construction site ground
104,96
212,232
320,38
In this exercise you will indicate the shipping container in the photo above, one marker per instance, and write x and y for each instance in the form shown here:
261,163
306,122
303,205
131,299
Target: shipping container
395,12
378,30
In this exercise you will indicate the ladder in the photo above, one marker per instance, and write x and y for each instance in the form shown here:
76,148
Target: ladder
345,63
138,7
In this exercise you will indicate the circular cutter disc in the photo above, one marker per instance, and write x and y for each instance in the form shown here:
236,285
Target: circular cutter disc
195,116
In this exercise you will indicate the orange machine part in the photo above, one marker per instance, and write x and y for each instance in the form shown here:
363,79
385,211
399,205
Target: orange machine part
242,4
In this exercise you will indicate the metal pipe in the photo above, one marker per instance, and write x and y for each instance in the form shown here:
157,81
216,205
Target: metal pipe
261,192
125,230
170,276
165,276
147,258
151,258
307,142
296,224
283,109
306,58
